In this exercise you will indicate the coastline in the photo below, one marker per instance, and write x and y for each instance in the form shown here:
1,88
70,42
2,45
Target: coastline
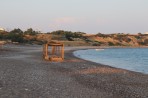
121,82
25,74
133,59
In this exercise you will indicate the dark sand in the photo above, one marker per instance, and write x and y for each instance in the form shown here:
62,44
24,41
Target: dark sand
24,74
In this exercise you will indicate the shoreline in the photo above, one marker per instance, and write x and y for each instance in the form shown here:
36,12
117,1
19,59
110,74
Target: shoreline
121,78
73,56
107,64
25,73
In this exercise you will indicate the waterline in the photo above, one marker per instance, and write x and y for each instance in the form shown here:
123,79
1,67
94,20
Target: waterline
134,59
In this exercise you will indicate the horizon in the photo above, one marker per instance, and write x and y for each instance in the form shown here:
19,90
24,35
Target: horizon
3,29
86,16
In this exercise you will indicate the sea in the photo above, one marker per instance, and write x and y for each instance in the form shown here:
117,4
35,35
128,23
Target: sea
134,59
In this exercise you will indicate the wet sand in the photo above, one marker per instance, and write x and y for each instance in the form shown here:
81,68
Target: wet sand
24,74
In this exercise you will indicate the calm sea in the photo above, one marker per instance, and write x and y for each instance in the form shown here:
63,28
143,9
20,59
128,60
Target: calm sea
135,59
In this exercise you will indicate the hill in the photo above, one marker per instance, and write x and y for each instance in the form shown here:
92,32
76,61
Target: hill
76,38
79,38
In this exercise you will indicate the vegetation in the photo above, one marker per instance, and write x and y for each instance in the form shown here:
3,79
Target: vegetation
31,36
68,34
17,35
30,31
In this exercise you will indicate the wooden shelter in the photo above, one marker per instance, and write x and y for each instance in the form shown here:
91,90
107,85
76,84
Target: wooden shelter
53,51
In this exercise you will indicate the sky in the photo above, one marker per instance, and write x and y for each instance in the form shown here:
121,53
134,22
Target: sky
89,16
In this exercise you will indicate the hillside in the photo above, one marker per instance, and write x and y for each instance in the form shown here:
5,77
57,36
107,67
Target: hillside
119,39
77,38
97,39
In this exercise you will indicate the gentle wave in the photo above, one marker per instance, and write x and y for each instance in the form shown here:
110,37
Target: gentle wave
134,59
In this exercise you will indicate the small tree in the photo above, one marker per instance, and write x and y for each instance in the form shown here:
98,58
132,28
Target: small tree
16,35
30,31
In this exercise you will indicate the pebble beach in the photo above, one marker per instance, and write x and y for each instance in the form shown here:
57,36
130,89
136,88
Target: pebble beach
25,74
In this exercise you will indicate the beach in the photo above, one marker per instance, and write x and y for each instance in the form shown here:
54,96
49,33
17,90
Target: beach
25,74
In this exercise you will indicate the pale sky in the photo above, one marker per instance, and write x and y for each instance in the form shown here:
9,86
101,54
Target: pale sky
89,16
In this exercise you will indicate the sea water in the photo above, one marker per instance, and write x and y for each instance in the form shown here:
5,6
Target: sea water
134,59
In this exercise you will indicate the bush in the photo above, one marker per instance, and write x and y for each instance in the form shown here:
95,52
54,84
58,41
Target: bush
110,43
30,31
96,43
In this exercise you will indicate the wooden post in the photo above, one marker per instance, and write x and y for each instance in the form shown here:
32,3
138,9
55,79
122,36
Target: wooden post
46,49
62,51
45,52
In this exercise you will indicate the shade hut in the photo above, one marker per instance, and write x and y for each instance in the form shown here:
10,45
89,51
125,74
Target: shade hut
53,51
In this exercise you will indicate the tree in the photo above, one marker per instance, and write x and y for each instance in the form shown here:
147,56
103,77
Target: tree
16,31
30,31
16,35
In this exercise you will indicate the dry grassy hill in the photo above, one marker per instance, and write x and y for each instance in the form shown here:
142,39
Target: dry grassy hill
97,39
119,39
76,38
